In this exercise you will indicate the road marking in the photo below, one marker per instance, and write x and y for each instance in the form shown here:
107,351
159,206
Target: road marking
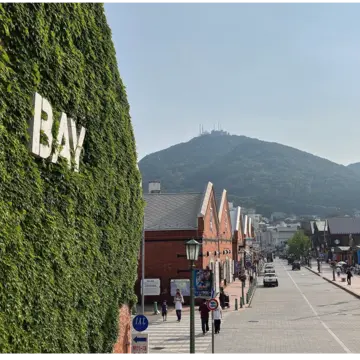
318,317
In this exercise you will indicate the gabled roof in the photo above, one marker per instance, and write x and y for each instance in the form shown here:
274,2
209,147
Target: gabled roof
172,211
223,202
206,199
235,216
321,225
344,225
245,224
176,211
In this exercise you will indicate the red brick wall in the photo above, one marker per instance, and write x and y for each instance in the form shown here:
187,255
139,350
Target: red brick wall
211,232
123,343
162,262
211,237
225,222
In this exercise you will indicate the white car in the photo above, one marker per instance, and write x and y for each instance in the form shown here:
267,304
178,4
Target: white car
269,271
270,279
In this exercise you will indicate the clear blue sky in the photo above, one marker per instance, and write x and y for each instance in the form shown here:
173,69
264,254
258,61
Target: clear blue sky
288,73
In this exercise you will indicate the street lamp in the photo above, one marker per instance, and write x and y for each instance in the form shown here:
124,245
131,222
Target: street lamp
192,254
318,258
333,262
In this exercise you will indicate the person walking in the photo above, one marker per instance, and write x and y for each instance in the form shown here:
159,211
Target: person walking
204,314
178,300
349,276
164,310
217,319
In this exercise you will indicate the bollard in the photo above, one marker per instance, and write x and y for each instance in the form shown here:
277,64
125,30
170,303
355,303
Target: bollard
236,304
156,311
241,302
247,297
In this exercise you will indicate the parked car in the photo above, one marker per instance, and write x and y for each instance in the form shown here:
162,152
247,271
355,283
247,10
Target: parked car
296,265
270,280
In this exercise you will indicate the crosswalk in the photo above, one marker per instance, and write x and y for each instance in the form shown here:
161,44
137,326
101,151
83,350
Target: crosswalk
174,337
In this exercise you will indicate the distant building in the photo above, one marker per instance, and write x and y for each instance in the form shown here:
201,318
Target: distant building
255,218
277,216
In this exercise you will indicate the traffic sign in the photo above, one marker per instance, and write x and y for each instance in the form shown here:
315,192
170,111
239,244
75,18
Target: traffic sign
140,323
140,343
212,304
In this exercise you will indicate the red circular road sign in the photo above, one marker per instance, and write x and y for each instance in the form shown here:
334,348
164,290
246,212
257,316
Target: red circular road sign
212,304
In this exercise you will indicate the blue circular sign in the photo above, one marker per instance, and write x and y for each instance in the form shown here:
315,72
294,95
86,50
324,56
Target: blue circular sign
140,323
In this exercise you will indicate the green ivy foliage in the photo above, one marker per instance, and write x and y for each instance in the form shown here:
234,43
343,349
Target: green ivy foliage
69,241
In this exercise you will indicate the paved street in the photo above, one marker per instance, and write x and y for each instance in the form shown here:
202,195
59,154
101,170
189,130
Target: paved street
173,337
305,314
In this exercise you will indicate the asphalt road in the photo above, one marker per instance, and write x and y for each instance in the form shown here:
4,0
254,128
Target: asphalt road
305,314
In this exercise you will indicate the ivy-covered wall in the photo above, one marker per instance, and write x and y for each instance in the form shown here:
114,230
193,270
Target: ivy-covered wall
69,241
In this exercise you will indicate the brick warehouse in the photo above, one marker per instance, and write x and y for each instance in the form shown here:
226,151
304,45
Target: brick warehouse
238,245
173,219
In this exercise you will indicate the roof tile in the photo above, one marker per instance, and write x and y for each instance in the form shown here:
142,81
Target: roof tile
172,211
344,225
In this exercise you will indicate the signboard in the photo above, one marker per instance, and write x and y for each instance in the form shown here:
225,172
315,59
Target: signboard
151,287
212,304
140,323
71,140
140,343
203,283
182,284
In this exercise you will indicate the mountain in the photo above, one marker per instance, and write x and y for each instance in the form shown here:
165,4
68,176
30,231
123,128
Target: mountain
268,176
355,167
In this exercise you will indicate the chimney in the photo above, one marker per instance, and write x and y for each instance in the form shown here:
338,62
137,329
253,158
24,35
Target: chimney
154,187
231,205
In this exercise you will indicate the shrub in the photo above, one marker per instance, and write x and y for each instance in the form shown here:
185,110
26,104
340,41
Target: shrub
68,241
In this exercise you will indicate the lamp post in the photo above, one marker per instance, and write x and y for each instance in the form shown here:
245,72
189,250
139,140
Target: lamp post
192,254
333,262
318,258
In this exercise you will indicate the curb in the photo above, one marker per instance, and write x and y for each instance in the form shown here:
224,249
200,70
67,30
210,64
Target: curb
334,283
252,296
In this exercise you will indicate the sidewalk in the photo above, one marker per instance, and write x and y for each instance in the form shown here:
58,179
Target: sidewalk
233,290
327,274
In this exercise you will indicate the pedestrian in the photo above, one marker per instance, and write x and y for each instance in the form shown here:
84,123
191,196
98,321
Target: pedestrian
164,310
204,314
349,276
217,319
178,300
338,271
251,279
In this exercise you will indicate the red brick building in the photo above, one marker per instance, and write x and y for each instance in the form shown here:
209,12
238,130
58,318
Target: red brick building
173,219
238,244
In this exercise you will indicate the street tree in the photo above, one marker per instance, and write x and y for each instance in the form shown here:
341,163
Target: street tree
299,244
